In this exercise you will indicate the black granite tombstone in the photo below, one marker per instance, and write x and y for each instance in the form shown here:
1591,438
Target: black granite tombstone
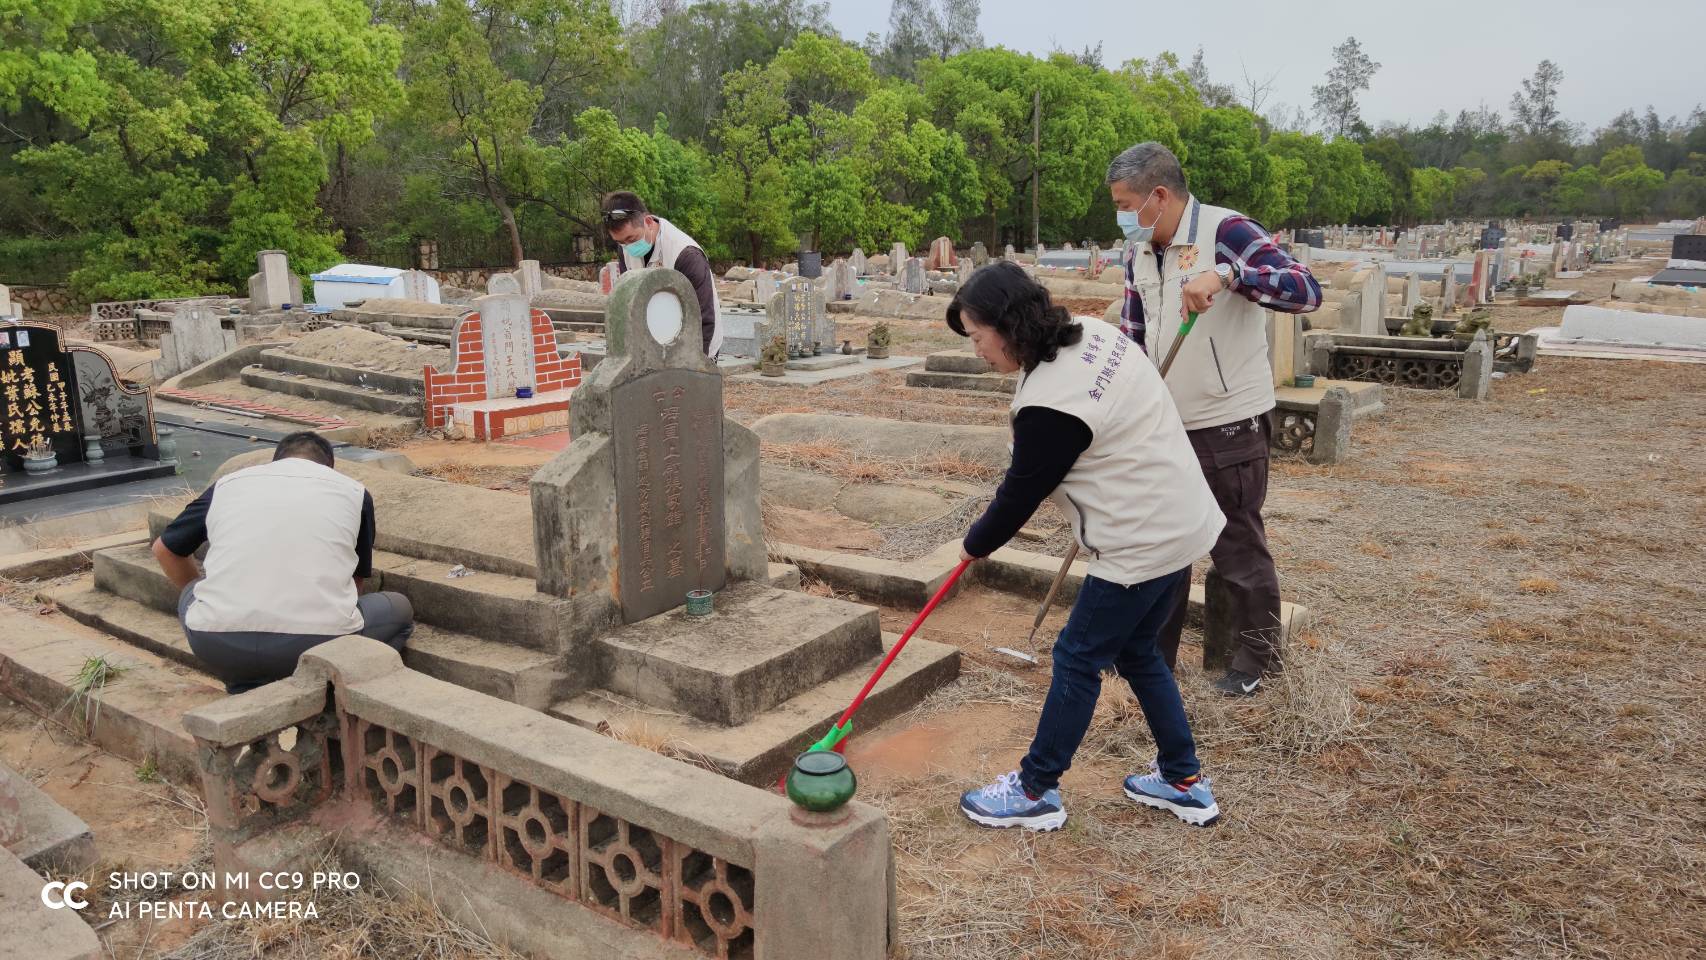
71,399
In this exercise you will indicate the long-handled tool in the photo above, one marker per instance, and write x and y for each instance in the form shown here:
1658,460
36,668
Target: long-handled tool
1072,551
836,738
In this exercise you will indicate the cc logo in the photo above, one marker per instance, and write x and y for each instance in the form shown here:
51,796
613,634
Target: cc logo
58,895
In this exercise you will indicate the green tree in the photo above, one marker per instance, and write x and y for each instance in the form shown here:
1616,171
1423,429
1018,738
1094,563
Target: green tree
749,184
1634,190
1336,99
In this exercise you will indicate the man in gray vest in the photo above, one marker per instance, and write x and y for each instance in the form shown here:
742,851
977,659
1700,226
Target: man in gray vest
651,241
288,546
1183,256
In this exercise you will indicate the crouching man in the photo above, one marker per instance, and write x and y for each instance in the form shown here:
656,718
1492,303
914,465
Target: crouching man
288,546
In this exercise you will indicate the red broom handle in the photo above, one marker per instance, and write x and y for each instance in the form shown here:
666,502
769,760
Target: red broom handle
858,701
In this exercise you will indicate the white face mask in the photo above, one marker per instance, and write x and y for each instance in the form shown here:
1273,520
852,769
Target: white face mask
1131,222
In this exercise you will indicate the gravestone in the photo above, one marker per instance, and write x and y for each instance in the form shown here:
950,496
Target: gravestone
793,312
73,400
1476,380
633,514
1093,263
419,285
841,281
196,336
897,258
531,279
962,273
502,284
979,254
7,307
273,285
1448,289
942,256
857,261
764,286
36,383
506,335
912,276
1007,252
1285,335
1412,294
607,275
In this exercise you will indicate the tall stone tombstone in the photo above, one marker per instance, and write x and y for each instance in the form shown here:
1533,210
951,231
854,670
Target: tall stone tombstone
607,275
37,394
764,286
502,284
273,285
1412,293
942,256
793,312
657,494
1093,263
842,280
1285,335
1448,288
857,260
7,308
506,337
1007,252
897,258
1372,322
979,254
912,276
531,277
962,273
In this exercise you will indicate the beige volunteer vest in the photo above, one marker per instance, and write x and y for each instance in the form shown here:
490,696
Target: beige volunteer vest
1221,374
281,552
671,242
1136,496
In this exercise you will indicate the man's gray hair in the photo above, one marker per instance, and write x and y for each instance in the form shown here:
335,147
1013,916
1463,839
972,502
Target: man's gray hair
1146,166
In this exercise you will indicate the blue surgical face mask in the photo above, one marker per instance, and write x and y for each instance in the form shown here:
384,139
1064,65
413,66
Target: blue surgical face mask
1131,224
638,249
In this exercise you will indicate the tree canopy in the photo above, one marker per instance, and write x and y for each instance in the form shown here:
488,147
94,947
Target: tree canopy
153,148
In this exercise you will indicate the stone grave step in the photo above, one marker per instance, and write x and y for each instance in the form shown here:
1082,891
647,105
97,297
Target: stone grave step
983,382
528,677
490,606
759,648
353,376
35,931
314,388
762,748
956,361
45,835
138,714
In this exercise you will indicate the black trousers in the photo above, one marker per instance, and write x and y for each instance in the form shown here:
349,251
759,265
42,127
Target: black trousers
244,660
1234,460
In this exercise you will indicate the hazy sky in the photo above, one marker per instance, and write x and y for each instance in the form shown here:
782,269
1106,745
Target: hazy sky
1447,55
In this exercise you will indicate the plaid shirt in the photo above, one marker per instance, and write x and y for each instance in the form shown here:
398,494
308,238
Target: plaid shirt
1261,272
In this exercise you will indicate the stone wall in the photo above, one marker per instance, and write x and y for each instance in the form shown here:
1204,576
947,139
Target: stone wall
37,301
553,838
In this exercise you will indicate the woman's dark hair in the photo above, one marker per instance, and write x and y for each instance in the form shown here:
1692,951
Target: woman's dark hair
1000,296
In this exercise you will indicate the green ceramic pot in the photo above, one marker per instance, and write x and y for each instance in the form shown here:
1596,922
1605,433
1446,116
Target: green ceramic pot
1305,380
821,781
698,603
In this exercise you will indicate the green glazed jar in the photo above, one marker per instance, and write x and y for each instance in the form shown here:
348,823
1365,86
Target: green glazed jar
821,781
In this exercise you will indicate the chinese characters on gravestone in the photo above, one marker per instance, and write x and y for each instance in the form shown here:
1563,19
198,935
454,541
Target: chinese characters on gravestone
798,316
669,473
506,335
34,383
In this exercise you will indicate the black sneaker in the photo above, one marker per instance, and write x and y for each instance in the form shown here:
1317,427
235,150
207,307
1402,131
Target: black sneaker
1237,683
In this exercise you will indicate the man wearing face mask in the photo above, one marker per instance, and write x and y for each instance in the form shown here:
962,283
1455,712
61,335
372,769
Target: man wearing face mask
652,241
1183,256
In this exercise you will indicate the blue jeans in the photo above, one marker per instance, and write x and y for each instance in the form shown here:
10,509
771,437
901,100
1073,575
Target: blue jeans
1116,626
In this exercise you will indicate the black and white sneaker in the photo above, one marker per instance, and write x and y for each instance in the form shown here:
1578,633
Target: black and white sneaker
1237,683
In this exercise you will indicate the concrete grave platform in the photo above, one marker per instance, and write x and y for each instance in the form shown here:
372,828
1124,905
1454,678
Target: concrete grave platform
1605,325
961,370
848,366
33,931
756,649
37,830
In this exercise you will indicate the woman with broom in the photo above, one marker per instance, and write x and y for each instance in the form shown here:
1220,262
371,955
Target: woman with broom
1095,428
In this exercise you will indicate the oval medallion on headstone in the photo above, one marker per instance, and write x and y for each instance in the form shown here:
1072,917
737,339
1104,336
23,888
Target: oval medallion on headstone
663,317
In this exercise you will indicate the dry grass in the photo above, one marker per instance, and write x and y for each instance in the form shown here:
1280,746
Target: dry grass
370,923
1465,759
510,478
850,466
